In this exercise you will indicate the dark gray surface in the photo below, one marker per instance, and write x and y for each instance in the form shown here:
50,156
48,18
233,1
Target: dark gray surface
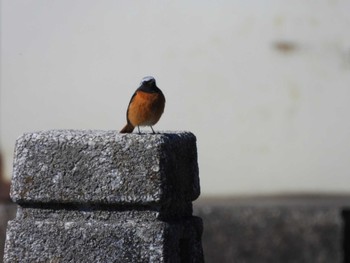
274,229
101,196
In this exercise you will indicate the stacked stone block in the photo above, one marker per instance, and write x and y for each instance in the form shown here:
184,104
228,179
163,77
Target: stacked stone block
100,196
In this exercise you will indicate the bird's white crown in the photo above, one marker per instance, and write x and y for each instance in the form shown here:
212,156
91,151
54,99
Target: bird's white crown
148,78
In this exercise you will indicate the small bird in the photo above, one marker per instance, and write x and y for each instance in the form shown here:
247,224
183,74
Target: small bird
145,107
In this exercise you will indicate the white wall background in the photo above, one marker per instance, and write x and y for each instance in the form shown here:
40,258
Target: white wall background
265,85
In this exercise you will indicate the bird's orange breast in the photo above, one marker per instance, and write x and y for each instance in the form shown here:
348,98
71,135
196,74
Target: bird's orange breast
146,108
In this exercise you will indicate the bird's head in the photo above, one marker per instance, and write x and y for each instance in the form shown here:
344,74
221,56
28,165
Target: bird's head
148,81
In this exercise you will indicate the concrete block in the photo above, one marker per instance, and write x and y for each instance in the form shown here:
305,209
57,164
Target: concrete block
101,196
105,167
127,240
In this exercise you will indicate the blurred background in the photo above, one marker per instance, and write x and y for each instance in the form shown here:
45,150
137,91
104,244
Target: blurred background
264,85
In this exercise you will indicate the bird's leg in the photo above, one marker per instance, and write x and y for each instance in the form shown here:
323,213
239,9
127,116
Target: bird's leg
138,127
152,129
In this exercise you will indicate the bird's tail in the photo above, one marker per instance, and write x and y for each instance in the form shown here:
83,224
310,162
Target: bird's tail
128,128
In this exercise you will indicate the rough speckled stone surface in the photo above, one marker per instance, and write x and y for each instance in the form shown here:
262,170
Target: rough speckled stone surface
127,240
75,166
100,196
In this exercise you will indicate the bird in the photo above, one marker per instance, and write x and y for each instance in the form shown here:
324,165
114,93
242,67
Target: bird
146,106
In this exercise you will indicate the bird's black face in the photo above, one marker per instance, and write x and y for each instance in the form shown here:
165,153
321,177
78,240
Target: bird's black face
152,82
148,84
148,81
